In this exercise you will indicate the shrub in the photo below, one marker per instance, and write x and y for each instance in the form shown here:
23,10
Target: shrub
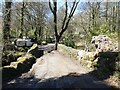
68,41
31,33
68,51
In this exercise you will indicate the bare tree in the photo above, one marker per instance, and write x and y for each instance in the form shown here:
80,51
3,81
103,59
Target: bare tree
22,18
106,10
28,18
7,20
67,18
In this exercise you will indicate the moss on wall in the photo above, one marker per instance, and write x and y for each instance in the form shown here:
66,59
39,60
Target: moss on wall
22,65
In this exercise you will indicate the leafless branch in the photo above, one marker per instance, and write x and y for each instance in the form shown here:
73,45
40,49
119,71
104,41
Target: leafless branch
65,14
51,7
69,17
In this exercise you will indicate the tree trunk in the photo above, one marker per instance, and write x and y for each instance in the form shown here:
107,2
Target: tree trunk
106,11
56,45
55,25
7,20
22,19
118,26
57,42
65,21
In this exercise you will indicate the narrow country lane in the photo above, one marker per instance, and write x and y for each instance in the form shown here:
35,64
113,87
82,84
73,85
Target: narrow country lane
54,70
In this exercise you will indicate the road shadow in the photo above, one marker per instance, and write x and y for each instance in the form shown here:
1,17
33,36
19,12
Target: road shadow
73,80
107,65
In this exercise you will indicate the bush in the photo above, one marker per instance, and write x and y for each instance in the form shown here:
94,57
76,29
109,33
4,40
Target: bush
104,29
68,41
31,33
50,39
39,40
68,51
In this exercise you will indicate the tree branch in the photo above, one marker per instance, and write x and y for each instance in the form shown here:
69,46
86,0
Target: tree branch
74,8
51,7
65,14
69,18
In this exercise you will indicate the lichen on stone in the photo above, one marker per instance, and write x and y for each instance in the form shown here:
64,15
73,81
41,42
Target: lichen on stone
33,47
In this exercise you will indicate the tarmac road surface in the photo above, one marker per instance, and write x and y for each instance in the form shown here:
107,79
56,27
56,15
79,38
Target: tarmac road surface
54,70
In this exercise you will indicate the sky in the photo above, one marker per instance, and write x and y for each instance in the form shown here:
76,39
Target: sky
0,8
63,0
60,3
